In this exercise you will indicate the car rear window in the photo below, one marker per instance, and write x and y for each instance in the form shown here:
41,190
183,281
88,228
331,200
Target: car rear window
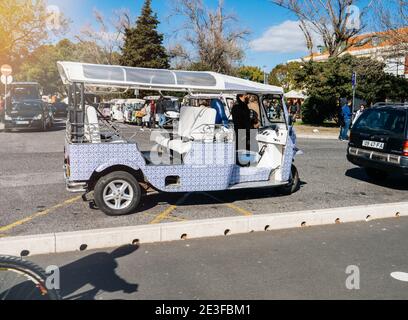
382,121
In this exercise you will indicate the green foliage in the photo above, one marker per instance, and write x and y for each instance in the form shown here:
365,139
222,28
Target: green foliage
251,73
143,45
327,82
284,75
41,65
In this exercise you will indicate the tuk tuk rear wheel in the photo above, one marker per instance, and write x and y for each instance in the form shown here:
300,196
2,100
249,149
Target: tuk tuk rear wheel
294,184
117,193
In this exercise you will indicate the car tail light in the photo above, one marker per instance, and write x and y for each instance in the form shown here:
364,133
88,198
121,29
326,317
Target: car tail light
405,149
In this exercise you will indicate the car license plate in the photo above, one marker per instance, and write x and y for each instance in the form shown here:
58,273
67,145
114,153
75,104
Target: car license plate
22,122
373,144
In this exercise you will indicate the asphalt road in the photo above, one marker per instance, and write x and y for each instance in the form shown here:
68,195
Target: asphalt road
33,198
308,263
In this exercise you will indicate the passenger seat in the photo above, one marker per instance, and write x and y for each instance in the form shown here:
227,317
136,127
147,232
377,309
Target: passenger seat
195,124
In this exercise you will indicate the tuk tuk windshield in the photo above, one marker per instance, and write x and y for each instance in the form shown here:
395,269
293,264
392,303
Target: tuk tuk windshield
273,105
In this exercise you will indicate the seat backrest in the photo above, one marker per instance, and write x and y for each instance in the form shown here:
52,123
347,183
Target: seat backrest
219,107
197,123
91,126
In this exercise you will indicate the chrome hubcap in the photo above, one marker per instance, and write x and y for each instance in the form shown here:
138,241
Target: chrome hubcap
118,195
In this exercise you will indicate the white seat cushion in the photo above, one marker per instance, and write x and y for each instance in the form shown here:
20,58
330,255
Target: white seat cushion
196,124
91,126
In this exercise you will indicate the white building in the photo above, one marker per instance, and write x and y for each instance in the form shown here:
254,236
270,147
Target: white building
379,46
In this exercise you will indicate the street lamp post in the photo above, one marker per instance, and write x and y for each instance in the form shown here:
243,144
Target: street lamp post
265,78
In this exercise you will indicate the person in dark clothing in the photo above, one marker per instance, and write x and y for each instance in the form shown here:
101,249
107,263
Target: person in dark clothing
241,116
160,111
345,116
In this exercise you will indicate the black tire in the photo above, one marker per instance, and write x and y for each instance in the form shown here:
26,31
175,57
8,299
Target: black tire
376,174
294,184
35,278
103,183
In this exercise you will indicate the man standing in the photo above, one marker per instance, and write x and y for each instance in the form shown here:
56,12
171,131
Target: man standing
359,113
2,111
160,111
241,117
346,116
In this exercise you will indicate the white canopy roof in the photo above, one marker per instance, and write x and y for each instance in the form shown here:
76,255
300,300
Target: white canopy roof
157,79
295,94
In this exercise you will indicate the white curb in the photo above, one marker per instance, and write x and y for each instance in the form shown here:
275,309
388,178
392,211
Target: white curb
115,237
317,136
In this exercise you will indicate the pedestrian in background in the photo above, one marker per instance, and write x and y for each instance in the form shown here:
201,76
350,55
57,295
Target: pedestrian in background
2,111
345,119
146,118
160,110
359,113
153,114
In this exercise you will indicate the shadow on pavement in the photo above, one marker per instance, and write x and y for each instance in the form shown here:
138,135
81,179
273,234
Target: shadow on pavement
394,182
96,270
207,198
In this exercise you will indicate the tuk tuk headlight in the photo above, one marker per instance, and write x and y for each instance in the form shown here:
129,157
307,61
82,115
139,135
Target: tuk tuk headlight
39,117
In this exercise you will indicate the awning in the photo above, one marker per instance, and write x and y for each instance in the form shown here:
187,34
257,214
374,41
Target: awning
295,94
157,79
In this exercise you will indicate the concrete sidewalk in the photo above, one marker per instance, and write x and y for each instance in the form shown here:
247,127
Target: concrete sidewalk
310,263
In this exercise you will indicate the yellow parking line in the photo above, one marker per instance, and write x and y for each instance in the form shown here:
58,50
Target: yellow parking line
166,213
169,217
161,216
230,205
38,214
238,209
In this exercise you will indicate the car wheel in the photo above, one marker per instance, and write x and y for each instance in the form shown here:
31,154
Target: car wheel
294,184
117,193
375,174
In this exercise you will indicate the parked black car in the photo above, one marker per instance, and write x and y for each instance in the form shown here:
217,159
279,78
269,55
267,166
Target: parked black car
25,109
28,114
379,141
60,109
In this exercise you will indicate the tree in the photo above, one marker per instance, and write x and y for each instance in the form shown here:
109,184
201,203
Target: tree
334,21
143,44
392,21
104,43
25,25
393,17
251,73
214,37
283,75
326,82
41,65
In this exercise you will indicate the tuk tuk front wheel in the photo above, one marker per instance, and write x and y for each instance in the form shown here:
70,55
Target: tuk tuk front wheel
294,184
117,193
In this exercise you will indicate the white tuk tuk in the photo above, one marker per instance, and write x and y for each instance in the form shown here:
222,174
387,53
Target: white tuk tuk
200,155
172,112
